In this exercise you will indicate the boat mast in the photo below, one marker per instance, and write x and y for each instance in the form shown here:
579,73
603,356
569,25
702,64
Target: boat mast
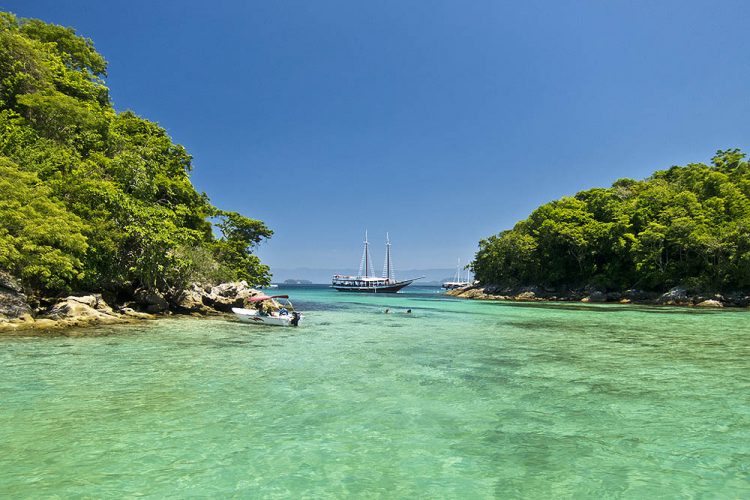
366,263
387,270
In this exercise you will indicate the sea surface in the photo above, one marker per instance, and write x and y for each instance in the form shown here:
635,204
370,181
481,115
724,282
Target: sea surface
459,399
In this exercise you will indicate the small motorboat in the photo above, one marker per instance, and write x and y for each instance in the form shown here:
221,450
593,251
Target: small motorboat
268,311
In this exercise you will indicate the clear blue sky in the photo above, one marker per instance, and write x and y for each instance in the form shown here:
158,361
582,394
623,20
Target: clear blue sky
441,122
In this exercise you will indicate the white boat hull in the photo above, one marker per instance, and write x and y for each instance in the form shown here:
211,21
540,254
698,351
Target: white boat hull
252,316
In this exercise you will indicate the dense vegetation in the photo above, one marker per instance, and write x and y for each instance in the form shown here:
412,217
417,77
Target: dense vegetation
93,199
686,226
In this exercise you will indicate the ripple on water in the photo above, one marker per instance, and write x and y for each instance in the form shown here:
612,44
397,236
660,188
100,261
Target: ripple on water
458,400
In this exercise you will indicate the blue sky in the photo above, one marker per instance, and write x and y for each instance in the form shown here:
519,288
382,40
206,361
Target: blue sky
440,122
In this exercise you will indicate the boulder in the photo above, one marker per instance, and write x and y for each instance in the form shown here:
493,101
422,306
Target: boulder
152,301
80,310
13,305
738,299
130,313
473,293
533,289
597,296
9,283
528,295
190,299
710,303
675,296
225,296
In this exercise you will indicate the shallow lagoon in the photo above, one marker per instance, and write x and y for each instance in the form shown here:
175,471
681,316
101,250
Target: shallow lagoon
459,399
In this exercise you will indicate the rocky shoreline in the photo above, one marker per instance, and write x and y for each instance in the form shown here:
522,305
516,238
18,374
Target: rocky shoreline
19,312
677,296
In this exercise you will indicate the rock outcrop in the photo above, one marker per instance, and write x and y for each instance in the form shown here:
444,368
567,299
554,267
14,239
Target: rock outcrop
151,301
14,307
710,303
228,295
190,300
81,310
91,309
74,310
677,296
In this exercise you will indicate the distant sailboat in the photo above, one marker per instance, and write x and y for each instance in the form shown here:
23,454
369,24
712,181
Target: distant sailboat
457,283
366,281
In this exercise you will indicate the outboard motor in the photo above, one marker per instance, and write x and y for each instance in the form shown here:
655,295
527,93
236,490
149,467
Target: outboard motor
295,318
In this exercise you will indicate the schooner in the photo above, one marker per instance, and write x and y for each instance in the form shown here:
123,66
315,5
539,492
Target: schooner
366,281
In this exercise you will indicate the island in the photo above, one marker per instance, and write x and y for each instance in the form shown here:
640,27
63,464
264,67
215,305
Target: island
96,206
680,237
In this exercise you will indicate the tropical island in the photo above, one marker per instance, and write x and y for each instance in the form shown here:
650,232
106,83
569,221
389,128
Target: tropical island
681,237
96,201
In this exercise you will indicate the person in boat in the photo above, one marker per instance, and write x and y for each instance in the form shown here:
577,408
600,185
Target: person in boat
264,307
259,307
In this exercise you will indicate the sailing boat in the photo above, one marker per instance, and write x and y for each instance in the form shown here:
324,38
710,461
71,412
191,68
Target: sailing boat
368,282
457,283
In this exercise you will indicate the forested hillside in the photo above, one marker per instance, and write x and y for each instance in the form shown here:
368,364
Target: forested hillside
95,199
687,226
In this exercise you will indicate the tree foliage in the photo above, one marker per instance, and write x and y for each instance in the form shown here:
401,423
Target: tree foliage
682,226
92,198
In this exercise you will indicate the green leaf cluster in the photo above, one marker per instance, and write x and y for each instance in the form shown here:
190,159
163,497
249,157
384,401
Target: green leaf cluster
687,225
94,199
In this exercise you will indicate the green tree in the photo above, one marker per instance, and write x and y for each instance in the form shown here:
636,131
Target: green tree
114,182
40,241
684,225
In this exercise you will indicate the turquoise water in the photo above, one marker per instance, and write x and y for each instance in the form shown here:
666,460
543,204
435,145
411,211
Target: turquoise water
458,400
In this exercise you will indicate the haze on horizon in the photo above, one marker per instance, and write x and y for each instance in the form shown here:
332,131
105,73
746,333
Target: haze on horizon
438,122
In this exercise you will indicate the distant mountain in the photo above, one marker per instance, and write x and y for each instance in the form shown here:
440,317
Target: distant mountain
297,282
323,276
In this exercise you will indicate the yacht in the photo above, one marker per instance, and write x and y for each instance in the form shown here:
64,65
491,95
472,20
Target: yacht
366,281
457,283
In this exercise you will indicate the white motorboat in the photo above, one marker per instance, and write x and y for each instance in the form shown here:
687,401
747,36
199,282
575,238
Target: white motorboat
269,312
